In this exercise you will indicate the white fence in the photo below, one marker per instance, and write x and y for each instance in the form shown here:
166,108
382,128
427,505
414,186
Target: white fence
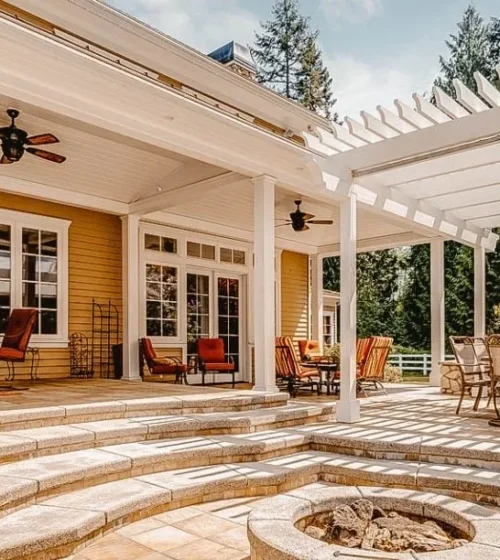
414,363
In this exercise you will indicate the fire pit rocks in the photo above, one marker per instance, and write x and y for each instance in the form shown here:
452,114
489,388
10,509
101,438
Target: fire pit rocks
320,522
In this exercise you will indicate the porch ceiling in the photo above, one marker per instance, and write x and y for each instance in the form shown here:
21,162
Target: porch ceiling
99,163
224,209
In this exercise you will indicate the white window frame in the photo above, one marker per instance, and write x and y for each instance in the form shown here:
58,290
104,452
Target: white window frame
17,221
332,316
185,264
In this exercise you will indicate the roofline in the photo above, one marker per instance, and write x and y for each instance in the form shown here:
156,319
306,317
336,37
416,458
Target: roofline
70,20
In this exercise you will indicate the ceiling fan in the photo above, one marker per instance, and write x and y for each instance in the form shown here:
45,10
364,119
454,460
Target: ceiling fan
300,221
16,141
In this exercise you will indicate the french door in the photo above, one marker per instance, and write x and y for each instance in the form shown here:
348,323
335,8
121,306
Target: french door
214,308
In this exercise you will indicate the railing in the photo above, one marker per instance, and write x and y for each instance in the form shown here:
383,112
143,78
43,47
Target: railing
414,363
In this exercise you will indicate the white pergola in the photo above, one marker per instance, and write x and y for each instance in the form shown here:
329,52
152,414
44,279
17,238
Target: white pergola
435,165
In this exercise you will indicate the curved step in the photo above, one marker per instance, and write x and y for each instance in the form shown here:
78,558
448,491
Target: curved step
225,401
36,442
57,527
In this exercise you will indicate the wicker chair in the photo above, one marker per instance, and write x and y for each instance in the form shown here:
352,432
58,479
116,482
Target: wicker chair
289,372
371,370
161,365
474,370
15,341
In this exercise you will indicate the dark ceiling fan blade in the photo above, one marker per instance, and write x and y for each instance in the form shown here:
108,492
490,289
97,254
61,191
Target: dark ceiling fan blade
308,216
321,222
40,139
5,160
281,225
46,155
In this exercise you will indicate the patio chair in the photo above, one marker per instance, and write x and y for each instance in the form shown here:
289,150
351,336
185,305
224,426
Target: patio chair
289,372
18,331
474,370
212,358
493,347
161,365
371,371
363,346
309,350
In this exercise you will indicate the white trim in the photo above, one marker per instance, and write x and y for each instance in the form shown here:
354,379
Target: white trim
479,292
437,310
17,220
278,255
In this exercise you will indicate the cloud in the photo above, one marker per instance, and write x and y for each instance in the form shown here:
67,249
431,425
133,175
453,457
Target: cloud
353,11
202,24
359,85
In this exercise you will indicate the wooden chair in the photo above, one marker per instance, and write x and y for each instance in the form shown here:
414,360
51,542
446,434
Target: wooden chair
309,350
474,370
289,372
161,365
212,358
363,346
371,371
18,331
493,347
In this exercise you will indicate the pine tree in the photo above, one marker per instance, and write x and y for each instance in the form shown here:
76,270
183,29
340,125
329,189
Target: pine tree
278,50
494,39
314,83
470,51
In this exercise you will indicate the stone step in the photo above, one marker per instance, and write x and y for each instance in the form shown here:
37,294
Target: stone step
226,401
36,442
62,524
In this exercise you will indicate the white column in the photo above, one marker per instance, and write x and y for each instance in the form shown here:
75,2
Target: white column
316,282
479,292
437,310
264,283
131,298
348,407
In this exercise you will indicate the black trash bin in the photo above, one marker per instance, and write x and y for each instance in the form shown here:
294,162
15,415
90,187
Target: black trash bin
117,350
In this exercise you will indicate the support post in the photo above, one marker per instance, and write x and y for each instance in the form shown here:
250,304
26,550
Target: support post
437,310
316,283
479,292
264,283
348,407
131,298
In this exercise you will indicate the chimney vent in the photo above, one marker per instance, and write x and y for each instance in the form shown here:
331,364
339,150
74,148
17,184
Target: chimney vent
236,57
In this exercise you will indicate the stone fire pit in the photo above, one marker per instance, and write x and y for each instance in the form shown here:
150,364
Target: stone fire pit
276,529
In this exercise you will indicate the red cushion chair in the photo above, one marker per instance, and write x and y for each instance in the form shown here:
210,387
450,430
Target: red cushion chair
161,365
17,335
310,350
289,371
212,358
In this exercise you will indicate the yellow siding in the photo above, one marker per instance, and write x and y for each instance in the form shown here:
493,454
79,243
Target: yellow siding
94,270
294,295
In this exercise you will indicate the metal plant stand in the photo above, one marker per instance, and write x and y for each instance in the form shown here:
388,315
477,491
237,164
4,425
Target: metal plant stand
105,334
80,356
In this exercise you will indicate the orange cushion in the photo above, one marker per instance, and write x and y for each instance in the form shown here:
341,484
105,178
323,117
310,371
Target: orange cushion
168,369
308,348
219,367
11,355
19,328
211,350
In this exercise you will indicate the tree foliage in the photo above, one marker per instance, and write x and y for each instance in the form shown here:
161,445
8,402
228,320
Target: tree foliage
289,60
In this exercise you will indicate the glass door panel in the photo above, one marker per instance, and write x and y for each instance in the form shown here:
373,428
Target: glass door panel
198,310
228,316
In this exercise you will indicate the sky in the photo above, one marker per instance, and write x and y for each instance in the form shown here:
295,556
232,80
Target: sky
376,50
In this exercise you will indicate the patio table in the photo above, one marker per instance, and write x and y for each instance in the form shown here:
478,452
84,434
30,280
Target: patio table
326,370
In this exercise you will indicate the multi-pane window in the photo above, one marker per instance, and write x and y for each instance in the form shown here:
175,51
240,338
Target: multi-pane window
329,326
160,243
233,256
197,309
39,277
5,274
200,250
161,300
228,305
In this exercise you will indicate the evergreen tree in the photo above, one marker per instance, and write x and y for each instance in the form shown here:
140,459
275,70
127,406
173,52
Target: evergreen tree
494,39
278,50
314,83
469,52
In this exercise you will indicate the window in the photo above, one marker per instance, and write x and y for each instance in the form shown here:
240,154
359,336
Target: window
33,272
5,274
200,251
39,278
159,243
329,329
161,300
232,256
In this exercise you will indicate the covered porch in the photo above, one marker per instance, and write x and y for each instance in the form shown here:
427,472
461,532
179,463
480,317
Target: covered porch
172,191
